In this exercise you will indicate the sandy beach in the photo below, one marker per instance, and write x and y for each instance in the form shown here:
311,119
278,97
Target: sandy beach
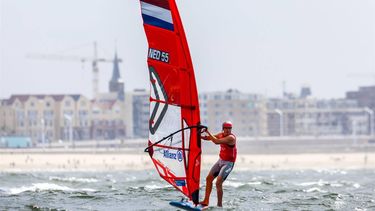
24,160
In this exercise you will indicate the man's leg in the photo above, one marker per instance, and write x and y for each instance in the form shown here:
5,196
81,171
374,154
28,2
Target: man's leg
210,177
219,188
207,194
223,174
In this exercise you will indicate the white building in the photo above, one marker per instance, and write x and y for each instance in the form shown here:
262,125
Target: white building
246,111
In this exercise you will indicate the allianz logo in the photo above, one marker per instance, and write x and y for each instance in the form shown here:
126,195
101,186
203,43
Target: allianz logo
174,156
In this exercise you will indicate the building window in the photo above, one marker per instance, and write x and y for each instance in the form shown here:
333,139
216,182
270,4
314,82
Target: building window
68,112
83,112
48,114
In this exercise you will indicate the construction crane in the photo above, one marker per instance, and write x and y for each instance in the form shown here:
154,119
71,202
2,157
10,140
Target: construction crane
94,62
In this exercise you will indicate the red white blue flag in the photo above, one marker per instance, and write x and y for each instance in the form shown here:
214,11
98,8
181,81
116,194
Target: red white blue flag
157,13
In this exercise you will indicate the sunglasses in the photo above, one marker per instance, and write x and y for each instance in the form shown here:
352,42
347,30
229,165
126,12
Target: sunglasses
227,127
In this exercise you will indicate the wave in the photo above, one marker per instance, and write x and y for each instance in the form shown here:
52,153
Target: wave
155,187
240,184
233,184
131,178
321,183
315,189
356,185
73,179
39,187
332,171
149,188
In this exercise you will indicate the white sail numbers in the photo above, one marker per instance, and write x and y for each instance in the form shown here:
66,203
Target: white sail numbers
158,55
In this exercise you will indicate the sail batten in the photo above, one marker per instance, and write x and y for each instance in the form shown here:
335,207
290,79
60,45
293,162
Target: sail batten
174,137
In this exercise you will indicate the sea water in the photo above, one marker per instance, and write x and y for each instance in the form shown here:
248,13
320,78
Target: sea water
144,190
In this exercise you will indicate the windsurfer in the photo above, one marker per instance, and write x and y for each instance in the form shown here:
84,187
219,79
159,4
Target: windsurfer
222,168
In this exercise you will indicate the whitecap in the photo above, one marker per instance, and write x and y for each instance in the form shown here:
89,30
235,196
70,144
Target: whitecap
130,179
73,179
36,187
343,172
319,183
315,189
336,185
88,190
154,187
307,184
254,183
233,184
356,185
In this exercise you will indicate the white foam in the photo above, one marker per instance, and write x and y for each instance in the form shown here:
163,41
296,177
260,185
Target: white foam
356,185
233,184
74,179
315,189
36,187
88,190
130,179
239,184
307,184
154,187
336,185
319,183
254,183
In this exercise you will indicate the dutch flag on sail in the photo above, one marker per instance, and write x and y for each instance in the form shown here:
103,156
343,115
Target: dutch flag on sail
157,13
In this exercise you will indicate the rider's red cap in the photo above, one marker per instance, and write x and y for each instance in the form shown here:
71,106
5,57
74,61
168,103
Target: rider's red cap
227,124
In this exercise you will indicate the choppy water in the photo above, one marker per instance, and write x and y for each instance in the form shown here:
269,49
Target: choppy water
142,190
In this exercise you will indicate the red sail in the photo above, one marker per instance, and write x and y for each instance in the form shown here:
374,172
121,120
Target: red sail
174,107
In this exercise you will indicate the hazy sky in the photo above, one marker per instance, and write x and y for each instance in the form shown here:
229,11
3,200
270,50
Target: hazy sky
249,45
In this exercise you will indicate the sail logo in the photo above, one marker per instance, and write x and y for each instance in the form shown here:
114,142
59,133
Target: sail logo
179,155
173,156
157,109
158,55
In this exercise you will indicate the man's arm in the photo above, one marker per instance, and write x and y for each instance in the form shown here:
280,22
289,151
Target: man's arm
225,140
209,138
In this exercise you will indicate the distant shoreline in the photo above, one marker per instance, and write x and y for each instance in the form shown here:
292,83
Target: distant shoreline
253,154
134,159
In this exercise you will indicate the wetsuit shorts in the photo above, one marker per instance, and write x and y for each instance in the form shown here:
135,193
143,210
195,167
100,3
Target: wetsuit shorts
222,168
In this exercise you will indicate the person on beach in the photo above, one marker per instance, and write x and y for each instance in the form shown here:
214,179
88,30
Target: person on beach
222,168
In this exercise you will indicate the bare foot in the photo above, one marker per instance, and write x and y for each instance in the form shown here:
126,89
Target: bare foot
203,203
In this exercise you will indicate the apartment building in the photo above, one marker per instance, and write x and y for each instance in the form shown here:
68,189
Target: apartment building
141,112
44,118
108,117
248,112
309,116
48,118
7,123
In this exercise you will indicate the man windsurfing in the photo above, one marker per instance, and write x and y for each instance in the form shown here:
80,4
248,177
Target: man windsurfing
222,168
